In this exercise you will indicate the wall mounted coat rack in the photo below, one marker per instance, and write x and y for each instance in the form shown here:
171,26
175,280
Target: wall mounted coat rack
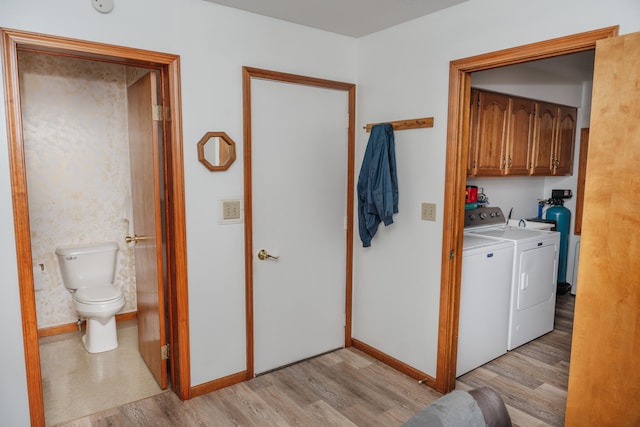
425,122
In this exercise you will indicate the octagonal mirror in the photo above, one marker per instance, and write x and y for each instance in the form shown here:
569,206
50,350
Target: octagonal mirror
217,151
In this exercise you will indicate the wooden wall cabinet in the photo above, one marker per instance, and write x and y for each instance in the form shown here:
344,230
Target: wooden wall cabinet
545,131
565,141
488,127
518,136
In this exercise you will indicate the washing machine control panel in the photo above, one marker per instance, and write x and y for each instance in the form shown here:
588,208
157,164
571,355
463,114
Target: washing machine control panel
483,216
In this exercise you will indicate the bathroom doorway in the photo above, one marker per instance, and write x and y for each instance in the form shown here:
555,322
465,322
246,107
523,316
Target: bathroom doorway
169,151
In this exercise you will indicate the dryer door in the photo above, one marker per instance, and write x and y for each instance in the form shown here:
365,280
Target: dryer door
536,276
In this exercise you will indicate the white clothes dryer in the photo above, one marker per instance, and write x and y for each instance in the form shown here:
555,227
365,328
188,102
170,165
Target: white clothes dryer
535,270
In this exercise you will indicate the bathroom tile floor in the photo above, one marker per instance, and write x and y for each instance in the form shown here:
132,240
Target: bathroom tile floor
76,383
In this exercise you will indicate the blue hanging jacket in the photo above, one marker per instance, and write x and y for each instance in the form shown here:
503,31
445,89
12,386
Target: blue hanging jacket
377,183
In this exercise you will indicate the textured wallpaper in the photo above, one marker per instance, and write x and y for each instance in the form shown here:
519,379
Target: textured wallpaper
77,158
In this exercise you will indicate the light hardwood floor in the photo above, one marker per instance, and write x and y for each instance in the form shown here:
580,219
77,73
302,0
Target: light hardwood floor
348,388
533,378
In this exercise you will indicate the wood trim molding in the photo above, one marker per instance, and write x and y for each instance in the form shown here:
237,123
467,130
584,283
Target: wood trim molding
395,363
247,74
21,226
73,327
176,230
169,67
455,177
210,386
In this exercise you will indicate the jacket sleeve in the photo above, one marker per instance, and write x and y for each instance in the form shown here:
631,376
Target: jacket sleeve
383,176
377,183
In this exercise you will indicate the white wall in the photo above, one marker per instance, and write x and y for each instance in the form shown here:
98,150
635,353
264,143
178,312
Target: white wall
214,43
403,73
530,83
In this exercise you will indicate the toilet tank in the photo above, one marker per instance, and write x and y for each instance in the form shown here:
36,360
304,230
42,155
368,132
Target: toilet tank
87,265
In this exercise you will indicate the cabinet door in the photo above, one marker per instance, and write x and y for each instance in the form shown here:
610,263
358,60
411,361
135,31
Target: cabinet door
473,133
520,136
563,150
545,128
491,134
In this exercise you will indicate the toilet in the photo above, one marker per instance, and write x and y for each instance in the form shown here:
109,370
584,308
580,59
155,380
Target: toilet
88,272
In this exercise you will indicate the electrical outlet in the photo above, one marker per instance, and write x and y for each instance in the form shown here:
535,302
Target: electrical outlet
230,210
428,211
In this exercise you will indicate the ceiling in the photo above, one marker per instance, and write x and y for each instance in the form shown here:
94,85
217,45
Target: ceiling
355,18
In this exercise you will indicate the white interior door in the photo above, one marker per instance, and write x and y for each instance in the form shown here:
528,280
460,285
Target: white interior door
299,171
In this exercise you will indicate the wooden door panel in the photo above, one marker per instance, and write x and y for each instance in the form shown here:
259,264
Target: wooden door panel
565,141
473,133
492,126
604,380
520,136
545,131
145,192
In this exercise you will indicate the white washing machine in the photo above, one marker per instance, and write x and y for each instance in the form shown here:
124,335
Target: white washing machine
535,270
484,301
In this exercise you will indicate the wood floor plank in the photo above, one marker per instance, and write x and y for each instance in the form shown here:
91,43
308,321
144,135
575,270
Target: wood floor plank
529,371
325,415
522,419
350,388
292,414
361,416
534,402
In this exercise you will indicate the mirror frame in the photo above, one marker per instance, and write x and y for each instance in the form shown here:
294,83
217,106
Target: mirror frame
232,154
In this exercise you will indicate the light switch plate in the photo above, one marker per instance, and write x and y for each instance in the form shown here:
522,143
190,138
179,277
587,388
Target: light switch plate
231,211
428,211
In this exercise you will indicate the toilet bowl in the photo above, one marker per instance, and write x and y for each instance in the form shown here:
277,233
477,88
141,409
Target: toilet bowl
88,272
99,306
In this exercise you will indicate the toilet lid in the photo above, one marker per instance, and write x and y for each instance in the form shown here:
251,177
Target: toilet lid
97,294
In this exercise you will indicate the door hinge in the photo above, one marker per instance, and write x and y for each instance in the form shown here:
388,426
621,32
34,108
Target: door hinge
451,253
159,113
156,113
164,352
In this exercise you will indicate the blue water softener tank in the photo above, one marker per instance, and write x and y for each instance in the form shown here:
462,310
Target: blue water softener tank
562,217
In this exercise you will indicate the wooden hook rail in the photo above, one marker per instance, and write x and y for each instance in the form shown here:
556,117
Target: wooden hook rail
425,122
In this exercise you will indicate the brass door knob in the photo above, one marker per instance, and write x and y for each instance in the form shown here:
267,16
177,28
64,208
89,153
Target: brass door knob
135,238
263,254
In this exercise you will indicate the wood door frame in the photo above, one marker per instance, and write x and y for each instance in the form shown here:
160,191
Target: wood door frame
168,66
247,74
455,177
